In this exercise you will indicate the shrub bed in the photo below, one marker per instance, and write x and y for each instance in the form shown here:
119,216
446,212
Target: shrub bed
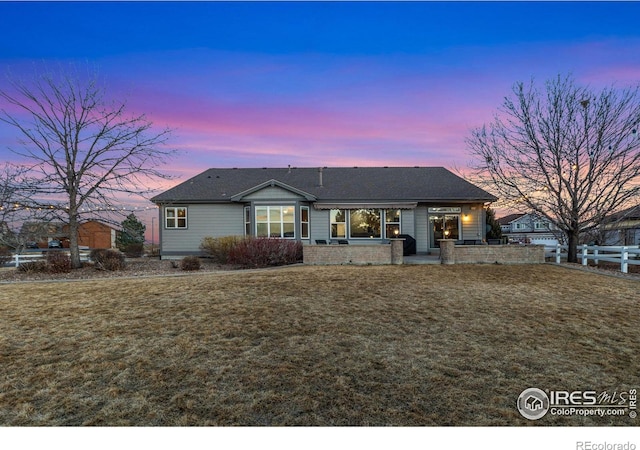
106,259
190,263
218,249
264,252
58,262
252,252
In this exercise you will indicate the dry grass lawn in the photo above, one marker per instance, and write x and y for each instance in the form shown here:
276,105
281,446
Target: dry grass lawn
402,345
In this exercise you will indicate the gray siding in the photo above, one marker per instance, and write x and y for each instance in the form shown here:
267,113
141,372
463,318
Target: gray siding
203,220
408,222
472,226
422,229
275,193
319,224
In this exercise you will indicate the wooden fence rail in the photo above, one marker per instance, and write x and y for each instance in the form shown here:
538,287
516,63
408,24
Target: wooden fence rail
27,257
624,255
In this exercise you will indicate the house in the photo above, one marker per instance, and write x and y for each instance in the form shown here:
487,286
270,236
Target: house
529,228
91,234
623,228
349,204
42,233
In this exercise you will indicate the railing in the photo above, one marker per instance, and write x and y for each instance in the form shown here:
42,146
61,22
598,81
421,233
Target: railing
623,255
28,257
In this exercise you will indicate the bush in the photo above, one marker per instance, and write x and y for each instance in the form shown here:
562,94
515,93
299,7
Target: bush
265,252
5,255
107,259
190,263
134,250
219,249
34,267
58,262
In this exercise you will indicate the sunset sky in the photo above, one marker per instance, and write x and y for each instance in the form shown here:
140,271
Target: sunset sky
334,84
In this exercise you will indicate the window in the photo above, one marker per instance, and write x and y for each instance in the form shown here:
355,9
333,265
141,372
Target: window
247,221
175,217
520,226
304,222
275,221
443,226
338,223
392,223
364,223
541,225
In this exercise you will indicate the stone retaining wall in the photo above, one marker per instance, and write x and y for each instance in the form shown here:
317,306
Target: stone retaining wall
364,254
490,254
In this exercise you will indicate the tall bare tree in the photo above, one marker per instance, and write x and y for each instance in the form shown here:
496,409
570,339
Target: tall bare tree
568,153
83,151
13,193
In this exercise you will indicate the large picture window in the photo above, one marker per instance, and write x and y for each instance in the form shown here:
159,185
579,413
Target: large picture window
175,217
275,221
364,223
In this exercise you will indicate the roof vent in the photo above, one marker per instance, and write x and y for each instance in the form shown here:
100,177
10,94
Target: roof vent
320,177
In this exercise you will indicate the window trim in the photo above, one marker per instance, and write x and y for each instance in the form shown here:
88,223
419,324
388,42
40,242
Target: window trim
347,223
380,233
399,223
281,222
332,223
303,222
176,217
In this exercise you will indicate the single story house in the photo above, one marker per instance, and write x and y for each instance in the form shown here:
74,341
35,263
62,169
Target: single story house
316,205
529,228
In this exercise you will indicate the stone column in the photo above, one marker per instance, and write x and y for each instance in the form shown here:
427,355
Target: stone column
397,251
447,251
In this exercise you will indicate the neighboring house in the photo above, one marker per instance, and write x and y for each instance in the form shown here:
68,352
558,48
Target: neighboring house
44,232
357,205
530,229
623,228
92,234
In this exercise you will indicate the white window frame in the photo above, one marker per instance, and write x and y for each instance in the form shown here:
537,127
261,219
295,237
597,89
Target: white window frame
247,220
380,215
399,223
176,217
280,222
304,235
332,223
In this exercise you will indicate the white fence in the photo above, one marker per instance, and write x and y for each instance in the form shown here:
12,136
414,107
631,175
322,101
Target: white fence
617,254
27,257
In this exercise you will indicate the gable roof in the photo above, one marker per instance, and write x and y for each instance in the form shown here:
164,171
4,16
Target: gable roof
338,184
629,214
506,220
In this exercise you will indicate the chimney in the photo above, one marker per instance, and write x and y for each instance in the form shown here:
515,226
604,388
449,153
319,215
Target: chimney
320,176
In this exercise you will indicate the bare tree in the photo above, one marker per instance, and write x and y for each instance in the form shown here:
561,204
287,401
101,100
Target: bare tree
13,193
570,154
84,152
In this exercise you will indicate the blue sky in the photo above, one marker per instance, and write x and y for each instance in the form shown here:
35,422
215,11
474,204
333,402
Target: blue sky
321,83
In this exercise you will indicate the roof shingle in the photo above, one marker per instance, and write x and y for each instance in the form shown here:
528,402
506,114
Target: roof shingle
338,184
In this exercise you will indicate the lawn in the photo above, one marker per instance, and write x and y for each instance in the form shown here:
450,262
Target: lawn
386,345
